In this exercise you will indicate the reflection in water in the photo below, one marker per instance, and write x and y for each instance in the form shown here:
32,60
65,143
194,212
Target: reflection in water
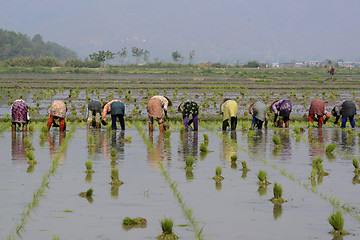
88,177
117,142
348,142
262,190
18,148
257,143
338,237
316,142
189,175
285,150
157,152
229,146
189,144
218,185
277,211
55,141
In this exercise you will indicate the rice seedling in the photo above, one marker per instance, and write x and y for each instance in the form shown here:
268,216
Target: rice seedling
313,173
114,174
315,161
189,163
134,221
277,191
218,177
336,220
203,148
206,139
233,158
167,134
355,163
276,140
244,166
262,176
88,165
27,143
167,228
88,193
329,148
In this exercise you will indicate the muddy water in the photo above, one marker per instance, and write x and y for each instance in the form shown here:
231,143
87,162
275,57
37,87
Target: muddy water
234,209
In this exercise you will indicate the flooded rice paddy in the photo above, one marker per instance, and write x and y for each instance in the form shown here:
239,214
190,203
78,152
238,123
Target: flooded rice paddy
236,208
43,202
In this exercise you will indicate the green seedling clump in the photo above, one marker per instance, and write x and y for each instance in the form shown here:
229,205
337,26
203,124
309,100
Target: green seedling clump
356,166
115,177
88,165
134,221
329,148
276,140
262,176
218,177
277,199
167,228
313,173
244,166
234,158
189,163
297,130
127,139
316,160
336,220
88,193
203,148
206,139
27,143
167,133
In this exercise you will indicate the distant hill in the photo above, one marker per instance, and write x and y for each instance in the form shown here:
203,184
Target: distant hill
17,45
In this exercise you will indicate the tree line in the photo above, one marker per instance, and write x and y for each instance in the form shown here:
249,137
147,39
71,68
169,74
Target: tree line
14,45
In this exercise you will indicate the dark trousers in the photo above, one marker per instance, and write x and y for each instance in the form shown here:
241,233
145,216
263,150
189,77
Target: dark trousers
233,123
351,120
121,120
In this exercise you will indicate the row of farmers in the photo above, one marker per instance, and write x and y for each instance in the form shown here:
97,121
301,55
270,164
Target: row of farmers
158,106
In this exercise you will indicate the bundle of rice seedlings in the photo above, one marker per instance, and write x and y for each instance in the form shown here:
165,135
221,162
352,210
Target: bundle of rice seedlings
189,163
277,191
356,166
134,221
336,220
262,176
276,140
167,228
218,177
203,148
114,174
329,148
88,165
234,158
244,166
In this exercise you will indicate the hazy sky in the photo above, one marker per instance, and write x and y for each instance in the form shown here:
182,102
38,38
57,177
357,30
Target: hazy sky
218,30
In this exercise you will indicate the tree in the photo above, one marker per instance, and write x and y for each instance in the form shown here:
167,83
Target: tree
122,54
177,57
137,53
191,55
102,56
252,64
146,56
